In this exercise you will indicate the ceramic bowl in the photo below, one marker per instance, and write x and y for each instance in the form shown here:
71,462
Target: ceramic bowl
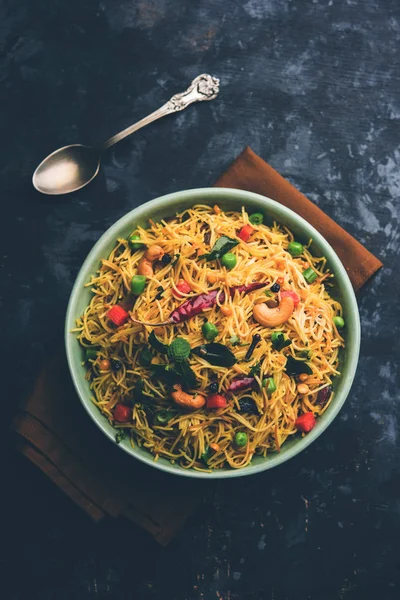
227,199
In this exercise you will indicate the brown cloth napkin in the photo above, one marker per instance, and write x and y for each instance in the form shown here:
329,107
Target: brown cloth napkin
55,433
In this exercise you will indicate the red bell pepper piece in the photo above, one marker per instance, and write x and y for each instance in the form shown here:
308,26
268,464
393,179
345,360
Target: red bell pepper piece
306,422
122,413
118,315
291,294
245,232
183,287
216,401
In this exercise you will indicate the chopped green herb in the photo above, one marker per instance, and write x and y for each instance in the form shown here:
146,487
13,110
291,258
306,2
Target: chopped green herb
235,340
255,369
279,341
271,387
121,435
223,245
268,293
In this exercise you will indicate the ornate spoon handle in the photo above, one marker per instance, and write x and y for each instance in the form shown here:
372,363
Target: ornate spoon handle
204,87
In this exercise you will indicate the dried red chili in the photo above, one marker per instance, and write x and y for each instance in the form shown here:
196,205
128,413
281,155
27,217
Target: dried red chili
196,305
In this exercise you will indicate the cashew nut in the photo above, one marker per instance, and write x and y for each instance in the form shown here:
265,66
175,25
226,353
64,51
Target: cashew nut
145,266
271,317
187,400
154,253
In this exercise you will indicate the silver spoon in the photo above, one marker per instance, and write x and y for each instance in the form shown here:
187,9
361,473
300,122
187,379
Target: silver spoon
72,167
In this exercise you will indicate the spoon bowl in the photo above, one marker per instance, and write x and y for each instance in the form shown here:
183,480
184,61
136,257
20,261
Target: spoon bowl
67,170
72,167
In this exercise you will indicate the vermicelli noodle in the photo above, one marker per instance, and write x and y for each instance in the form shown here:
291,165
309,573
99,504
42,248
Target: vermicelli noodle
204,439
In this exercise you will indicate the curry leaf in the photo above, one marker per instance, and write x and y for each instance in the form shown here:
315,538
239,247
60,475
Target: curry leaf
216,354
223,245
255,369
187,374
296,367
139,396
145,357
206,454
138,391
166,372
157,344
305,354
181,372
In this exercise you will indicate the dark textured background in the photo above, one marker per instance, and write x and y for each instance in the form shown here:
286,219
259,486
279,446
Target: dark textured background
313,86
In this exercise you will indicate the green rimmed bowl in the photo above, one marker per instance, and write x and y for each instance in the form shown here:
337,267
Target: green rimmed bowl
227,199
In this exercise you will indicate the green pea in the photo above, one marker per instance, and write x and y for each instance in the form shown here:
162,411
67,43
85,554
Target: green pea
309,275
295,248
209,331
162,417
91,354
138,284
229,260
339,322
256,218
134,243
241,439
270,385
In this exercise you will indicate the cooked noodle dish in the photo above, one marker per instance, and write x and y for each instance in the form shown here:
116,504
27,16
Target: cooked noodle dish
211,338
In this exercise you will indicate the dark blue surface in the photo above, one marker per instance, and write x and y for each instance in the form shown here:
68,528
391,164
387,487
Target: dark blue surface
313,87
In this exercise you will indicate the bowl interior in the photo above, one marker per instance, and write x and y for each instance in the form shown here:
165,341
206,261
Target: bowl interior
227,199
